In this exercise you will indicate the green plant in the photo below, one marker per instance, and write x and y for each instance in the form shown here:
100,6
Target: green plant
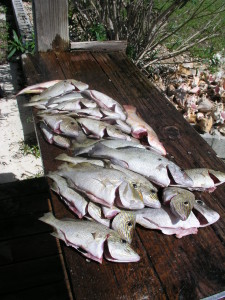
29,148
17,45
98,32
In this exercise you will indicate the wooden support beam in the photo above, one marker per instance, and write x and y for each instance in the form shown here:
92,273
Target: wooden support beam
105,46
51,25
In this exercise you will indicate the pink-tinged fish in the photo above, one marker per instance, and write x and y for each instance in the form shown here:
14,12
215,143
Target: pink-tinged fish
140,129
75,201
163,219
204,179
38,88
105,101
155,167
52,138
92,239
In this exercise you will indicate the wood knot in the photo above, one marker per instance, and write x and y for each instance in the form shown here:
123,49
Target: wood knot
171,132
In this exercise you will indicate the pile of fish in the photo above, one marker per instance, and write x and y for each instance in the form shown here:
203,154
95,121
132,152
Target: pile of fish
115,173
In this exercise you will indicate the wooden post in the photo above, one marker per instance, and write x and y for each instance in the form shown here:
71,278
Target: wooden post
51,25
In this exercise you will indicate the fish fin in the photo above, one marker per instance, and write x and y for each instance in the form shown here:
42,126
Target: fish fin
121,163
48,218
97,235
58,234
62,156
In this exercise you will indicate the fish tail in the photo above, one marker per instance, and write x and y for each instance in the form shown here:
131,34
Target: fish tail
130,108
48,218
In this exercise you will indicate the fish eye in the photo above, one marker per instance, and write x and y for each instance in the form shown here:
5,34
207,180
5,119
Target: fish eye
135,185
72,123
200,202
186,203
159,158
129,224
124,241
153,191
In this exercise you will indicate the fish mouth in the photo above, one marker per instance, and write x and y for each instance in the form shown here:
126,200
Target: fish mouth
109,256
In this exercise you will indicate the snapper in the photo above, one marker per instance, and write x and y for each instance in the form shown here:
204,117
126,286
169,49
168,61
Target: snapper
91,239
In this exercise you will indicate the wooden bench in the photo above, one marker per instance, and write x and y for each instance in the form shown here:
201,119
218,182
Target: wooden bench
189,268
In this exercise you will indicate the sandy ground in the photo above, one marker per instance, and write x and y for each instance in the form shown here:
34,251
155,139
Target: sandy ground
16,127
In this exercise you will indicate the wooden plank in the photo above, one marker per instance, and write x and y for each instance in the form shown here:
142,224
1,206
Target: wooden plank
29,274
22,206
102,46
51,24
27,248
52,291
169,268
22,226
24,187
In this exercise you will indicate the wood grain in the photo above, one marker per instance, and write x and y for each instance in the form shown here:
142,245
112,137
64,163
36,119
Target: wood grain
170,268
51,25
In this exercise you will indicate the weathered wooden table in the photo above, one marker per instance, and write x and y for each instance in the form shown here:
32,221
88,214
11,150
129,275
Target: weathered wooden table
189,268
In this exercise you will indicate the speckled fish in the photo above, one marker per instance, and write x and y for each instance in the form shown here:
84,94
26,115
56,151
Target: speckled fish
163,219
205,214
105,101
74,201
60,88
205,179
91,239
145,162
148,190
88,145
104,186
62,124
38,88
52,138
180,200
123,223
140,129
98,129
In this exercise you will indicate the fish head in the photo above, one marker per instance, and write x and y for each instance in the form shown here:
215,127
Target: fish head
124,224
119,250
180,176
204,213
182,204
69,127
150,197
129,195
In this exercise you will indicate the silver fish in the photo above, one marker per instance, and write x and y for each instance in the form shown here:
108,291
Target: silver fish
163,219
205,214
180,200
145,162
91,239
77,160
88,144
75,201
95,213
104,186
205,179
105,101
38,88
97,114
99,129
52,138
148,190
60,88
62,124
